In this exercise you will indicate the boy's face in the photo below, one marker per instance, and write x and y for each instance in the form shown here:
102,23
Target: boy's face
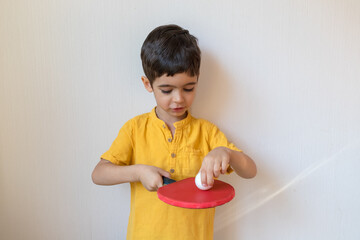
174,95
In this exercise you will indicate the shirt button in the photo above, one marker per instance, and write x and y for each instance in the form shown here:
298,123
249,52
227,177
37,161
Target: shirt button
164,126
172,170
173,155
169,139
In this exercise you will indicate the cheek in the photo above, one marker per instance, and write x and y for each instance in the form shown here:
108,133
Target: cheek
164,100
190,98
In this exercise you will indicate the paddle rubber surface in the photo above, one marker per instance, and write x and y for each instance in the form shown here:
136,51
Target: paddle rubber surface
185,194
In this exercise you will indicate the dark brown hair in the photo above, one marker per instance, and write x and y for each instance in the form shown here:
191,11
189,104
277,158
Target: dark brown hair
170,49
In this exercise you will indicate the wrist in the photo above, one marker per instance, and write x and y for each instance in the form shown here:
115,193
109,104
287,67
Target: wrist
228,151
138,169
235,156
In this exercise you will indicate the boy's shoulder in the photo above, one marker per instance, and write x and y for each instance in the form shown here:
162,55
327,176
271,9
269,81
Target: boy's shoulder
143,116
203,123
136,124
139,119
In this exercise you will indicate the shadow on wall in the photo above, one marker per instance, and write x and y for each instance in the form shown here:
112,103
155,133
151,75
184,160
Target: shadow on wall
214,90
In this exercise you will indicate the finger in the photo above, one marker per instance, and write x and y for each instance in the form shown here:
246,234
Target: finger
209,177
159,185
151,188
224,167
217,170
203,178
164,173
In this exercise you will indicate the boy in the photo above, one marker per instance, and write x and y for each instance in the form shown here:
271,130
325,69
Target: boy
169,142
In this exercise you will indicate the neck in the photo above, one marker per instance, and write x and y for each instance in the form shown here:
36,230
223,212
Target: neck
169,120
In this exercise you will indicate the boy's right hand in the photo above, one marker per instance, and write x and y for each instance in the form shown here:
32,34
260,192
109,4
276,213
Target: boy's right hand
151,177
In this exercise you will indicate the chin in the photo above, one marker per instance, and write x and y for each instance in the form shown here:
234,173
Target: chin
178,114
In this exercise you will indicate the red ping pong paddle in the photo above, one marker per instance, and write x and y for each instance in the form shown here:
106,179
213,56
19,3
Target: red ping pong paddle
185,194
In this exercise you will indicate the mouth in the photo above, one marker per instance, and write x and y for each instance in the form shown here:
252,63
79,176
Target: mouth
178,109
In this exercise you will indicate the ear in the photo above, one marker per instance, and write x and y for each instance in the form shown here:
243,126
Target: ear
147,84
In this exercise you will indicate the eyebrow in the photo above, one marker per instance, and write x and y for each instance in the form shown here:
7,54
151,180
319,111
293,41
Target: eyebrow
168,85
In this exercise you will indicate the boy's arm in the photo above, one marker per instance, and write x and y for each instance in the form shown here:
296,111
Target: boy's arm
242,164
107,173
217,161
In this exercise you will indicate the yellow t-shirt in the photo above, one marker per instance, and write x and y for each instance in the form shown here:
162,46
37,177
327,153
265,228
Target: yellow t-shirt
146,139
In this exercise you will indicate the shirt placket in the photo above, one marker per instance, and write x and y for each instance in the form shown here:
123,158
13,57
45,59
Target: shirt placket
173,148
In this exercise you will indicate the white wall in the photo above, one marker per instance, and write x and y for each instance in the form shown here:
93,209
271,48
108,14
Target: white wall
280,78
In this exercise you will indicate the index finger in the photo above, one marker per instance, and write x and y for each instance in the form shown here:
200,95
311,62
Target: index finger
209,177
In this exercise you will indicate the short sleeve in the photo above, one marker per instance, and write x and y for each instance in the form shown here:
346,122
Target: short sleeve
218,139
121,150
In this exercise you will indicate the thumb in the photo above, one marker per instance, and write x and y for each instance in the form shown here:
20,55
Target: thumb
224,167
164,173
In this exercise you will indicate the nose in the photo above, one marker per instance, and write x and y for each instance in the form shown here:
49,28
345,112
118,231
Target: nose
178,97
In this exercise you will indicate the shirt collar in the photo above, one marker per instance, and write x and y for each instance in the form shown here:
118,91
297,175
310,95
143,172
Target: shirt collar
179,124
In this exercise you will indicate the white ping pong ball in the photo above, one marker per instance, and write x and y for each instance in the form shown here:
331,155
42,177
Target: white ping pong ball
198,183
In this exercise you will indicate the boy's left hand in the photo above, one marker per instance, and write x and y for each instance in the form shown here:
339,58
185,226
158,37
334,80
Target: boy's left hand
216,162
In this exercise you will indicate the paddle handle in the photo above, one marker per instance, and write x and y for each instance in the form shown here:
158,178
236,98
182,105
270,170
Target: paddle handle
167,181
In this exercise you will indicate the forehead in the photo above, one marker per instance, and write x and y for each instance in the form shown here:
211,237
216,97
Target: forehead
178,80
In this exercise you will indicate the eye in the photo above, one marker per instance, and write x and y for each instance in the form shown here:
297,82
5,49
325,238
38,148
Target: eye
188,89
166,91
